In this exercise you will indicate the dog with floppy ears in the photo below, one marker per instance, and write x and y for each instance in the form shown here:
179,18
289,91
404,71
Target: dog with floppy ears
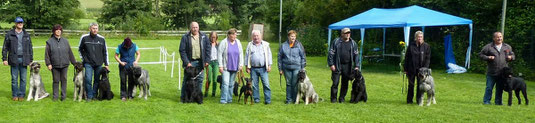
37,88
142,80
358,89
426,85
512,83
78,81
305,89
104,89
192,92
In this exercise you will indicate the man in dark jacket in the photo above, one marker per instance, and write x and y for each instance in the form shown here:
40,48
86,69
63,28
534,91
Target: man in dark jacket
342,58
418,55
498,55
194,52
17,52
93,53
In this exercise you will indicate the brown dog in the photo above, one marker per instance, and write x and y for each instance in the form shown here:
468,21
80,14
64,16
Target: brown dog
247,88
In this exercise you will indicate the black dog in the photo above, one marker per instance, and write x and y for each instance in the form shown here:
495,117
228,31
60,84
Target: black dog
247,88
236,85
192,91
358,89
513,83
104,89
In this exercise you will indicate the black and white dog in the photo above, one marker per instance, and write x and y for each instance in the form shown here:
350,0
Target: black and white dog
305,89
511,84
142,80
192,91
426,85
104,89
78,80
37,88
358,89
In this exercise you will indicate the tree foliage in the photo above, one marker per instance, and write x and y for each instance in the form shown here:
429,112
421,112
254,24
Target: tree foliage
136,15
41,14
179,13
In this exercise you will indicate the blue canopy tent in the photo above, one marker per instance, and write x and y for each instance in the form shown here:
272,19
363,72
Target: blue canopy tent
412,16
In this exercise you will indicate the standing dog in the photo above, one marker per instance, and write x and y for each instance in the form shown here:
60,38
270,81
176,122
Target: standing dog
426,85
79,81
104,89
37,88
516,84
358,89
305,90
192,92
247,88
142,79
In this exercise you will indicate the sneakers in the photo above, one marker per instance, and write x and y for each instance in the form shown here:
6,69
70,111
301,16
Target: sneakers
123,99
15,99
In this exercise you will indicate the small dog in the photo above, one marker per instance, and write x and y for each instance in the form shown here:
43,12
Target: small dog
247,88
142,80
78,80
104,89
516,84
37,88
426,85
305,89
192,91
358,89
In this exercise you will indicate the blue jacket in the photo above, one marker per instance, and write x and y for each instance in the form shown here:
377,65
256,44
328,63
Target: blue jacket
128,55
185,49
292,58
10,48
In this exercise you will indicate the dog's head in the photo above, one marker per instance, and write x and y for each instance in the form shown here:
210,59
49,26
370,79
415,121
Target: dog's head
34,67
104,72
507,74
136,71
78,67
248,82
192,72
424,72
355,75
301,75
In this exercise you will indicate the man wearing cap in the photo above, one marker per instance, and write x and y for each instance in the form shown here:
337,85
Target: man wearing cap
342,58
93,53
128,52
17,52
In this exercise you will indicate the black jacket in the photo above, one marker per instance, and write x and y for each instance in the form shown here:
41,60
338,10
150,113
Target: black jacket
185,48
58,53
334,56
417,57
10,48
500,57
93,50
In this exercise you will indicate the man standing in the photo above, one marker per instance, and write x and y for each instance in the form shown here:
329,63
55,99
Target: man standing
17,52
498,55
93,53
418,55
258,61
342,58
194,52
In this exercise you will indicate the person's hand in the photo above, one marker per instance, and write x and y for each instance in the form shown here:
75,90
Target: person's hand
280,72
248,70
491,57
221,70
206,65
333,68
122,63
509,58
107,67
269,69
356,68
240,68
135,63
5,63
49,67
189,65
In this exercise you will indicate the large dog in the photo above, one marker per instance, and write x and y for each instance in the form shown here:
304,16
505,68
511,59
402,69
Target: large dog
247,88
426,85
512,83
37,88
192,91
104,89
358,89
78,80
142,80
305,89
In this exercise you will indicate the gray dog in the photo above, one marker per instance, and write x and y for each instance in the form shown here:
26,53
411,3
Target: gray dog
37,88
427,85
142,79
78,81
305,89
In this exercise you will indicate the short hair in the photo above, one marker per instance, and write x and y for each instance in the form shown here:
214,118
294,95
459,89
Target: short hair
418,33
57,27
93,24
256,31
192,23
232,31
292,32
495,33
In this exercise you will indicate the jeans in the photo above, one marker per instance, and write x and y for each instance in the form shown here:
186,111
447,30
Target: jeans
59,75
491,80
227,86
18,90
89,72
263,74
291,84
186,77
212,72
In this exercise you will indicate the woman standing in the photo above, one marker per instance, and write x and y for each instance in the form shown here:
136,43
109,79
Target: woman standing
58,54
291,59
230,59
213,66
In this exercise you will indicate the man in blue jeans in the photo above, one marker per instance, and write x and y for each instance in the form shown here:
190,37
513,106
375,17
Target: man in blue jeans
498,55
195,52
93,53
258,61
17,52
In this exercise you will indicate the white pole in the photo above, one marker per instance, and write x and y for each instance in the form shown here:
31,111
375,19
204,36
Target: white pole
280,22
173,65
179,73
504,8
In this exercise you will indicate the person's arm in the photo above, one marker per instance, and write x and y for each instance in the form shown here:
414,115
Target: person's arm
182,50
427,56
303,56
483,53
279,58
106,60
137,58
30,48
331,54
511,53
5,49
207,50
408,57
81,47
356,55
71,55
269,58
240,48
247,51
47,57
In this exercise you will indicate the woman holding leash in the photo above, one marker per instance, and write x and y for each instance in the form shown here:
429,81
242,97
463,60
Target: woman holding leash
58,54
230,59
291,59
211,70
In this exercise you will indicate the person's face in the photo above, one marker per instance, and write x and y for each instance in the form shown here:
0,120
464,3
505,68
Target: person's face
420,38
498,38
346,35
257,38
57,33
19,25
213,38
232,37
194,28
94,30
292,37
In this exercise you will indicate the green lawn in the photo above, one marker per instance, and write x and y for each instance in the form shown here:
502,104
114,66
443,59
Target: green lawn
459,98
91,3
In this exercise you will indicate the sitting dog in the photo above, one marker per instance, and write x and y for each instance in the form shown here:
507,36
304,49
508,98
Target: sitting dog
305,90
516,84
79,81
247,88
426,85
104,89
142,80
192,91
358,89
37,88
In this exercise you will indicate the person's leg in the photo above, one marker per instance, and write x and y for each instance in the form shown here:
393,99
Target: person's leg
55,83
335,77
287,76
343,88
410,89
232,80
499,91
419,95
215,70
87,80
265,82
208,79
22,85
182,93
123,79
254,77
224,87
14,81
96,80
488,90
63,79
294,84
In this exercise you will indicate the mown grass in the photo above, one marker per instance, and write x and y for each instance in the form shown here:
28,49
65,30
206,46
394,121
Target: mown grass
458,96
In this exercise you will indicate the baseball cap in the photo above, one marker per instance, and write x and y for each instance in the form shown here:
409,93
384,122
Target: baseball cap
19,20
346,30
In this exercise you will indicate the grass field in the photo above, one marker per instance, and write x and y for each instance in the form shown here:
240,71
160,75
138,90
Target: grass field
91,3
459,98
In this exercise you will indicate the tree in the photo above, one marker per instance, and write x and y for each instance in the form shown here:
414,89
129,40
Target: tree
179,13
42,14
134,15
